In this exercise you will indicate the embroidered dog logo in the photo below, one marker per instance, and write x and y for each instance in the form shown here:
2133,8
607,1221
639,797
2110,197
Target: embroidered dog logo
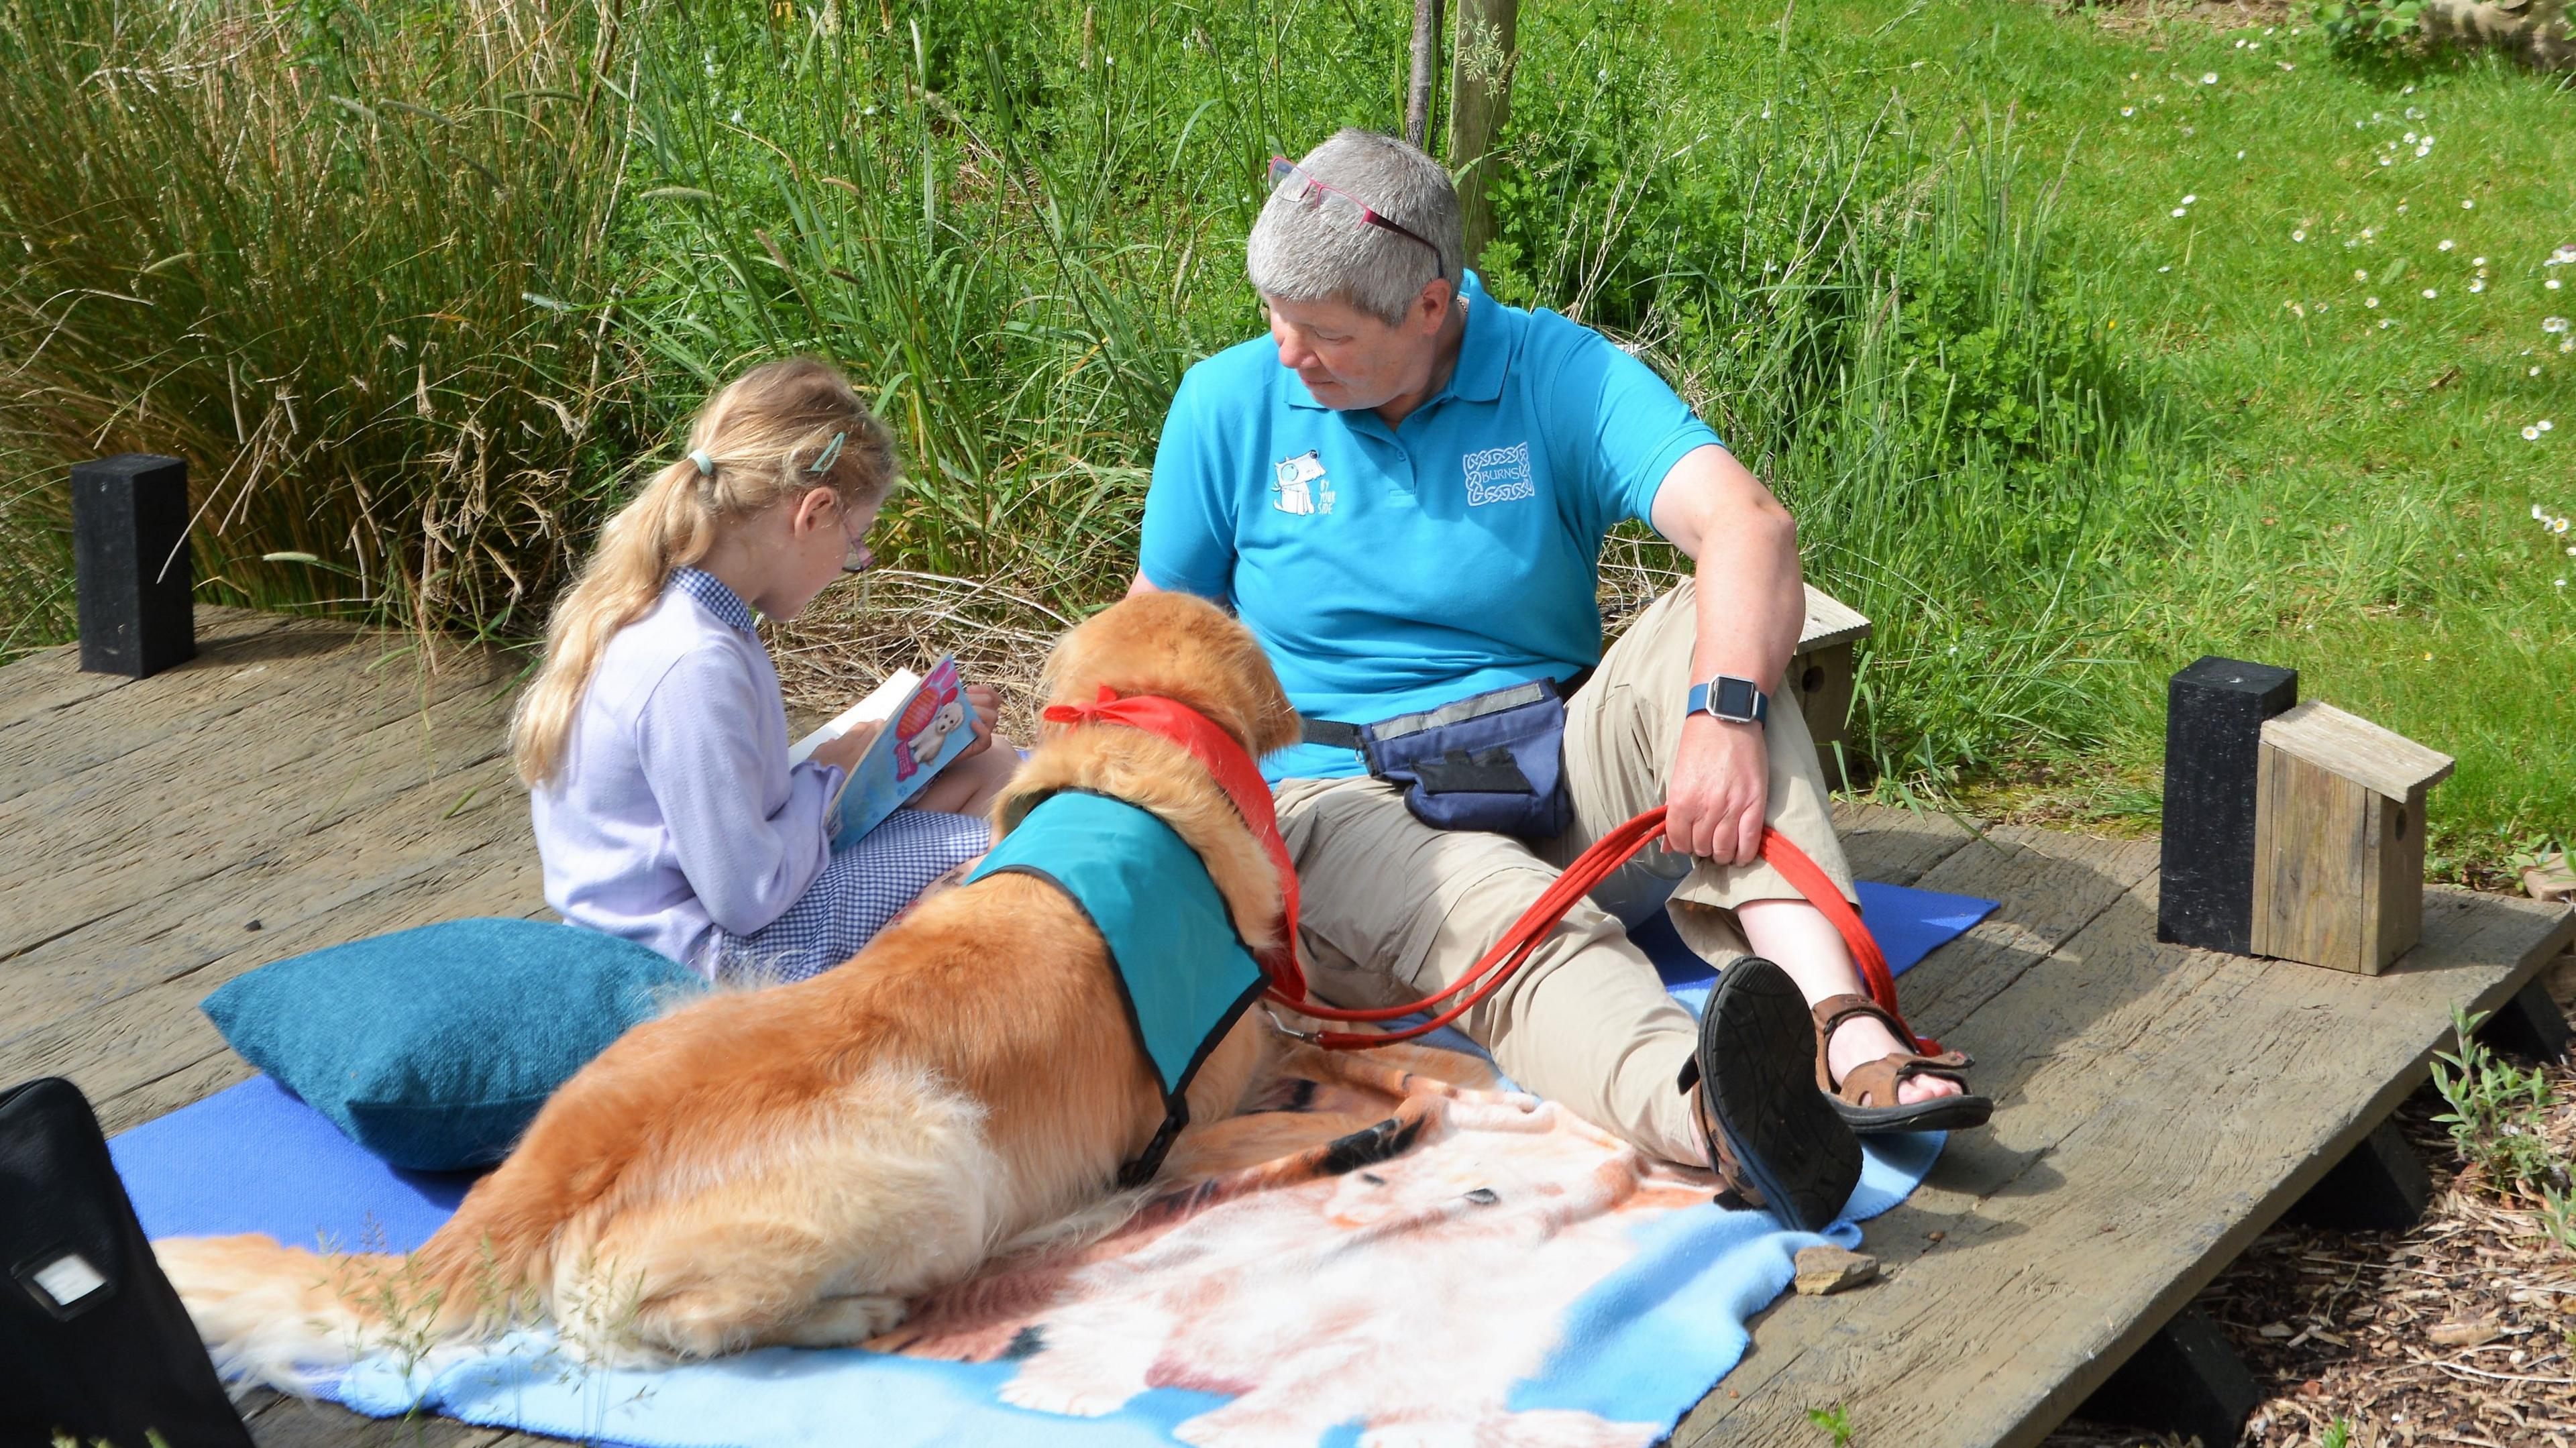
1499,475
1302,486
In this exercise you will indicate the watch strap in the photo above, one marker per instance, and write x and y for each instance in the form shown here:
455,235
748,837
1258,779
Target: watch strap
1700,701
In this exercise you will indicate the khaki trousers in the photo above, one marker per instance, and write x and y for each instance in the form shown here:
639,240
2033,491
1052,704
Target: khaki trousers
1394,909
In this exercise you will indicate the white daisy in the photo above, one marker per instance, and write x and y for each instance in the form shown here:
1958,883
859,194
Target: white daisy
2446,244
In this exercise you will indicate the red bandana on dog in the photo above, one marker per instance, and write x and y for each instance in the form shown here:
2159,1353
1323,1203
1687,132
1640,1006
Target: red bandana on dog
1235,773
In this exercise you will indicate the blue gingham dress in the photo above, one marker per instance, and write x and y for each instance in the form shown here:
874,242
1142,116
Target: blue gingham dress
866,882
861,887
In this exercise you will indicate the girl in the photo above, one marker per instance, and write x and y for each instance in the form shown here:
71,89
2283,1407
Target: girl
654,741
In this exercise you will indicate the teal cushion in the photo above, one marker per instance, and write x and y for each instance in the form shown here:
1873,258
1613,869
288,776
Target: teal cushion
434,1047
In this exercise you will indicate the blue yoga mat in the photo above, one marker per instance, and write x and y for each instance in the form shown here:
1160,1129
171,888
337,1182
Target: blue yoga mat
1910,924
1641,1345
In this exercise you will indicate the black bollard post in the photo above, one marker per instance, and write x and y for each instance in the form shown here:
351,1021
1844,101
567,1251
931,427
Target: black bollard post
2214,713
130,564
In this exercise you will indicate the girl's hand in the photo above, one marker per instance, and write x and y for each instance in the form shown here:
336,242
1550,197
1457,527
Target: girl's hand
843,753
987,706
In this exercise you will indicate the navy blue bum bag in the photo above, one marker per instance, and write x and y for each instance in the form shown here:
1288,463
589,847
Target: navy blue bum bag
1491,761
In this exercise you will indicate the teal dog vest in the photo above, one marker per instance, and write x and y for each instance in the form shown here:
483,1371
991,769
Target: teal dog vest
1183,972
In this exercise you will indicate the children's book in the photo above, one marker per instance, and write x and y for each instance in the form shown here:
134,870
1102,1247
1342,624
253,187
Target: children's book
928,723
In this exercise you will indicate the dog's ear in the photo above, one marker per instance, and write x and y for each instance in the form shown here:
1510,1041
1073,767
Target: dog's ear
1182,648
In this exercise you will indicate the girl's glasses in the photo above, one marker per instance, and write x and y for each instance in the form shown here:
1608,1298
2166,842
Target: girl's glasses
858,559
1340,205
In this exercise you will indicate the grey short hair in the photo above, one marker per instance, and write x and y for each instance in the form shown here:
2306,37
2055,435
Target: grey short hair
1297,254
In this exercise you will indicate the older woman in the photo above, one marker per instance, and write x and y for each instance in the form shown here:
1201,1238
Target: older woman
1403,490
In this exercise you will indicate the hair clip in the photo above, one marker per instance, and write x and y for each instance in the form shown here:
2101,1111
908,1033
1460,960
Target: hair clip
706,464
831,452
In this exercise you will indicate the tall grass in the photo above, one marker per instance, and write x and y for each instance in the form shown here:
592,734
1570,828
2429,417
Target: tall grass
327,255
1875,320
415,290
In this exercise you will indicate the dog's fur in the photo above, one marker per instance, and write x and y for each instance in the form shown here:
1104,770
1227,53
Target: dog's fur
788,1166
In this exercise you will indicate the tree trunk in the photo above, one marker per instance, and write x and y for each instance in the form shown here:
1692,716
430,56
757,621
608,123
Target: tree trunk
1426,72
1480,94
2536,31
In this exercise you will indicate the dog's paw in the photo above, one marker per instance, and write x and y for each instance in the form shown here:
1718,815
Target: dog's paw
844,1322
1072,1400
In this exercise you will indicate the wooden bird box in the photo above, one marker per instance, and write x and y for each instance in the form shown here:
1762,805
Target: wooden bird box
1822,674
2339,839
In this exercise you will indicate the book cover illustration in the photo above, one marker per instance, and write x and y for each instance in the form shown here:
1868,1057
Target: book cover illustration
928,724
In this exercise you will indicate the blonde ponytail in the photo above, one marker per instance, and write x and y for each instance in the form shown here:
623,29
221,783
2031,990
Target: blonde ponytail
758,441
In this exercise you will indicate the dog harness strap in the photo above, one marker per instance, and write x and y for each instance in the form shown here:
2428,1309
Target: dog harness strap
1236,774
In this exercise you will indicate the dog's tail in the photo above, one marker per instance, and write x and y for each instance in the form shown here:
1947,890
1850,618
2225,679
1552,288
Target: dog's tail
294,1319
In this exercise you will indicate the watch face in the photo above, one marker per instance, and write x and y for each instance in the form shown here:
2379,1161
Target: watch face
1732,698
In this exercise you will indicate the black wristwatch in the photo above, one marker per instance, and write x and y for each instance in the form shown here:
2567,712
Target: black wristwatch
1737,701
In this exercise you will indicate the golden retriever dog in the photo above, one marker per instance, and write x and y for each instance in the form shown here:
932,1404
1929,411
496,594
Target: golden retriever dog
791,1165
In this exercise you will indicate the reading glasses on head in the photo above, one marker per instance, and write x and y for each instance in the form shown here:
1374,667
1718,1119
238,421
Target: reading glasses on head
1299,184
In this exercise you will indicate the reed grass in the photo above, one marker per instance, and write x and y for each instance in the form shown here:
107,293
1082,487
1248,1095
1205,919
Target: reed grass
418,289
326,254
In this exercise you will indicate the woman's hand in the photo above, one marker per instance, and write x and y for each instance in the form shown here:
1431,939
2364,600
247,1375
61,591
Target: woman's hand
843,753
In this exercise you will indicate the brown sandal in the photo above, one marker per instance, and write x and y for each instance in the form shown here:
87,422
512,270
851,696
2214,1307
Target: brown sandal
1866,1099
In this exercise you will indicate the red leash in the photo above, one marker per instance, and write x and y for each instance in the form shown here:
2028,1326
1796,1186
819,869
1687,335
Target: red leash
1236,773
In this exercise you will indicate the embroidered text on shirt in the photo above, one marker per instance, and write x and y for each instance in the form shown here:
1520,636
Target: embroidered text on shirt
1499,475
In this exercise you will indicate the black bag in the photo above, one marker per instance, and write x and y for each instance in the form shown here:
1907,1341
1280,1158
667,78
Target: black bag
1491,761
94,1344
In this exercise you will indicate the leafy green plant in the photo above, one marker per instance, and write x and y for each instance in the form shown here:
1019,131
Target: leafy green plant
1835,1423
2370,26
2497,1114
2533,852
2338,1434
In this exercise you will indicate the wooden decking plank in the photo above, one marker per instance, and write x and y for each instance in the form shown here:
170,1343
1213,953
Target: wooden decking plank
186,1086
73,857
2160,1107
176,770
146,1035
264,660
171,932
1896,846
44,682
2049,887
279,1421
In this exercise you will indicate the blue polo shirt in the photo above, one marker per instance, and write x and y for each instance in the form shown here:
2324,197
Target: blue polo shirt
1392,569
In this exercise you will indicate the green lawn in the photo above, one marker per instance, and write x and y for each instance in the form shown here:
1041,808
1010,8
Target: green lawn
2357,485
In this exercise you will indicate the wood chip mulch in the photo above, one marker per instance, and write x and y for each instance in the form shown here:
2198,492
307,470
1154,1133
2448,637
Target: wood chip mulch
2462,1330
